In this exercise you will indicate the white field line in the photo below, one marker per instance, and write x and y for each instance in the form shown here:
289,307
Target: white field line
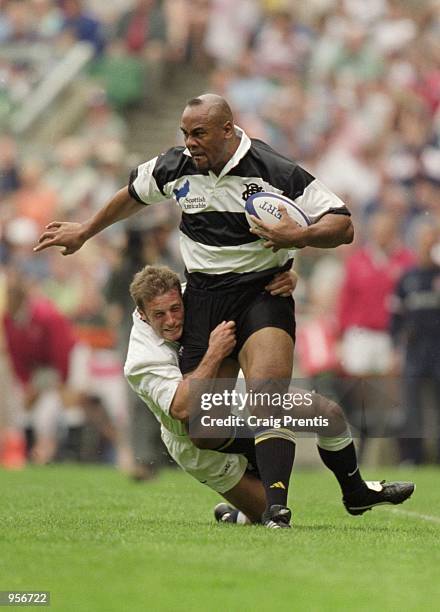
416,515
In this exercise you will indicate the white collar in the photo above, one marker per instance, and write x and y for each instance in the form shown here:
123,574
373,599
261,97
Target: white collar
146,328
243,148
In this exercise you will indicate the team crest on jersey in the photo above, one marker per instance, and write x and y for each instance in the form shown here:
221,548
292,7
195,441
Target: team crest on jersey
251,188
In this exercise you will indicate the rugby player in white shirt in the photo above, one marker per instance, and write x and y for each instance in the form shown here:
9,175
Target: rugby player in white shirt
152,370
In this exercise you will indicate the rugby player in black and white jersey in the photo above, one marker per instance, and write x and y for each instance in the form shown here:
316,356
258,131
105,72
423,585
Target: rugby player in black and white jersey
227,268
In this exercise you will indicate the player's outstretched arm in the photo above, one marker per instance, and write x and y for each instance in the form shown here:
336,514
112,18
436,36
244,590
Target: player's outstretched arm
72,236
329,232
221,343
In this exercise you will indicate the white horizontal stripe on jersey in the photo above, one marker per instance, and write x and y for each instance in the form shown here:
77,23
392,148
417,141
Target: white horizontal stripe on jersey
222,260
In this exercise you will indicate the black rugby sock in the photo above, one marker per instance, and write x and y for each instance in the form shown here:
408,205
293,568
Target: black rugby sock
241,446
275,458
343,464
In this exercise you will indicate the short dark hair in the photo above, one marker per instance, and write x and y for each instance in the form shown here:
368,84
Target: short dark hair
217,105
194,102
152,281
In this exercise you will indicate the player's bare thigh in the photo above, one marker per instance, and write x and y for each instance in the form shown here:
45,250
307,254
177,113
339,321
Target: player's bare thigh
267,354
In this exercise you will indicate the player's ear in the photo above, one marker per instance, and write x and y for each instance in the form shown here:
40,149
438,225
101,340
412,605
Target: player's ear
229,129
142,315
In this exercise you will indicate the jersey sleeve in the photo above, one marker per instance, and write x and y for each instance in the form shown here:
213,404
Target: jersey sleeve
312,196
143,186
157,383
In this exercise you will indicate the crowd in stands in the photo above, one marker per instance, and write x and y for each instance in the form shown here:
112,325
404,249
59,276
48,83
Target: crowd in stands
349,89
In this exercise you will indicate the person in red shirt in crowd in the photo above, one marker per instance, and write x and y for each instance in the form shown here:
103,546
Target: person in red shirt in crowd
40,341
371,274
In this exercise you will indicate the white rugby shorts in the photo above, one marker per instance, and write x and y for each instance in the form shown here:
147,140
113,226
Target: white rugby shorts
219,471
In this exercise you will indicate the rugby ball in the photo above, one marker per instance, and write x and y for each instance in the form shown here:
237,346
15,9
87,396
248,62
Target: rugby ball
264,206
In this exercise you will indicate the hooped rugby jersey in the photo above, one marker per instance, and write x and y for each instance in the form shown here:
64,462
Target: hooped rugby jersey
215,237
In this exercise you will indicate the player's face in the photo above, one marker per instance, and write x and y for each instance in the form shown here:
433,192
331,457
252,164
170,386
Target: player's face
165,315
206,138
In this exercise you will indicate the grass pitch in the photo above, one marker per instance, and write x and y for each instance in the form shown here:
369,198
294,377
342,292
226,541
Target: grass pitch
99,542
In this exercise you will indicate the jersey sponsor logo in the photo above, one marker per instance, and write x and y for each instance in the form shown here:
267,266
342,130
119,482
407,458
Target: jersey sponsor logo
251,189
195,203
187,203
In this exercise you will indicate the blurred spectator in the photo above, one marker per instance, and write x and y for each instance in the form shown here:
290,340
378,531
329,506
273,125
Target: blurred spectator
395,30
101,125
123,76
109,160
352,173
18,22
97,434
426,197
64,285
70,176
40,342
395,199
357,60
317,344
34,199
371,273
143,29
9,166
415,329
81,25
20,234
179,17
281,46
47,19
144,431
234,21
12,446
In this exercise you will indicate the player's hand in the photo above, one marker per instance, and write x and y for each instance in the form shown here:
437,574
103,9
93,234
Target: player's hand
283,283
62,234
286,234
222,339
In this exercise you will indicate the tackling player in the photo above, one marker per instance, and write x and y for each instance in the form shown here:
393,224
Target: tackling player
152,370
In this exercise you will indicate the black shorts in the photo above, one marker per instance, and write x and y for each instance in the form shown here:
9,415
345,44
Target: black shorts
250,309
